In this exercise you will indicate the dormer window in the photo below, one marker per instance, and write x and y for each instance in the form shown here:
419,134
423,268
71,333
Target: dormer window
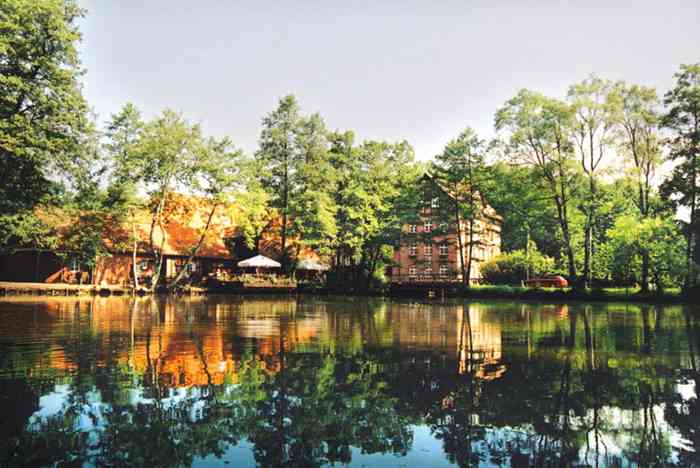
428,226
412,228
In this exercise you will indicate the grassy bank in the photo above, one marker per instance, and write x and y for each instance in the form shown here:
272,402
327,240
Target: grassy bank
555,294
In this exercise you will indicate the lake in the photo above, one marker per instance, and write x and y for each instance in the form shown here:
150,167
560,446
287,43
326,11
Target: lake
314,381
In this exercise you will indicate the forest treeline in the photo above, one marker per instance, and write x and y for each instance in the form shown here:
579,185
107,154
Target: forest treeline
600,185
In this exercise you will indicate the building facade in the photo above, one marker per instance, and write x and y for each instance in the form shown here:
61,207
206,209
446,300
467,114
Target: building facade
429,248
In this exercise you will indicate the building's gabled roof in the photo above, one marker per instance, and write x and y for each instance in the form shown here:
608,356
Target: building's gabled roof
184,221
487,210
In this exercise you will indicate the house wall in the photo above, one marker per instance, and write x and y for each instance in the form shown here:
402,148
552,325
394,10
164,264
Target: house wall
488,247
32,267
113,270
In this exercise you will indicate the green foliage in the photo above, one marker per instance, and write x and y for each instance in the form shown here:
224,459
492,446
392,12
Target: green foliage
538,131
513,267
683,120
42,110
659,237
370,204
517,194
251,211
461,171
25,229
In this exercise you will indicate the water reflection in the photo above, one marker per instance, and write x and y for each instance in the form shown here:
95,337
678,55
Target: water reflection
310,382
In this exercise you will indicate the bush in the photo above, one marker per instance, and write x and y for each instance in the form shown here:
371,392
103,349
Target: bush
511,267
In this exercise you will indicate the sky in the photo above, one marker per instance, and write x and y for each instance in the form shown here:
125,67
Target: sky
388,70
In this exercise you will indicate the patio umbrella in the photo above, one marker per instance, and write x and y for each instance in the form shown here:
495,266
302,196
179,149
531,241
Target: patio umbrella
259,261
311,265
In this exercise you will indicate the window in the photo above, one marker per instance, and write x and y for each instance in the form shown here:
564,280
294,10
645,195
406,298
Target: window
444,270
435,203
412,228
444,249
428,250
428,226
143,265
191,267
412,250
428,272
412,271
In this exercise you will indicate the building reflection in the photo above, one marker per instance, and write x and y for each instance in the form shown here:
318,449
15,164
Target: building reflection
201,341
570,375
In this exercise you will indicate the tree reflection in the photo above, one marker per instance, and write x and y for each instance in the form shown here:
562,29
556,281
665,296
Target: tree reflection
513,384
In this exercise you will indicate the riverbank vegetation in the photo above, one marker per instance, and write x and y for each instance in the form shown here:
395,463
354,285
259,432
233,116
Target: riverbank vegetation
599,185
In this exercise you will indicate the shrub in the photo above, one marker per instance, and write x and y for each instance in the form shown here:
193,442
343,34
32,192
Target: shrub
511,267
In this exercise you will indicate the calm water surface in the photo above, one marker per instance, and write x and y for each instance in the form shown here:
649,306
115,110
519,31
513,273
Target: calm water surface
316,381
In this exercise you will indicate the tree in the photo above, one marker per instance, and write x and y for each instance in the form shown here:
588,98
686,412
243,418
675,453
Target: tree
367,195
251,210
461,170
639,122
660,238
529,217
216,175
123,133
169,149
683,119
312,208
539,136
595,108
42,110
281,157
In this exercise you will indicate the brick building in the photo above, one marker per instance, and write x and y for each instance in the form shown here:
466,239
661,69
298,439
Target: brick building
429,246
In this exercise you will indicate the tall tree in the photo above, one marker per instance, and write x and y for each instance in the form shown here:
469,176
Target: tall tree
639,124
539,136
123,133
216,176
42,110
281,158
312,207
595,108
460,169
369,180
168,147
683,119
529,217
251,210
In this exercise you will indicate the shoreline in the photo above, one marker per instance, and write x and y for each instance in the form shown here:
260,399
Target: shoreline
433,292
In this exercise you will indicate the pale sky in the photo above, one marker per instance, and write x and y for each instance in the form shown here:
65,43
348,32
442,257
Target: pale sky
389,70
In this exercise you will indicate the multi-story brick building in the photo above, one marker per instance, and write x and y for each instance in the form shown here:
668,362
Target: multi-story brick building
429,245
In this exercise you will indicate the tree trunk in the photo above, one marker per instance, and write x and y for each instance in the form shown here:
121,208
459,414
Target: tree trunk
133,256
460,245
158,253
194,251
587,251
692,236
527,252
564,225
645,271
471,250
